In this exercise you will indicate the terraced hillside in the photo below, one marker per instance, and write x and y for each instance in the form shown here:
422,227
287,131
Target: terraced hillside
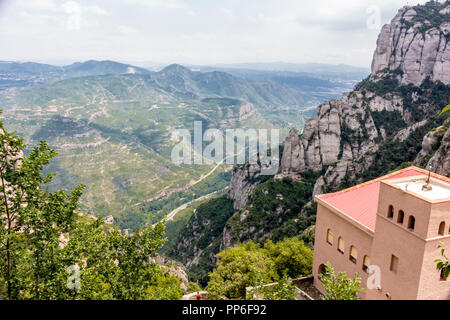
113,129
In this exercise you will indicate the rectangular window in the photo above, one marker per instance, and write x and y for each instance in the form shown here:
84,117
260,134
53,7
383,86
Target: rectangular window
394,264
330,237
341,245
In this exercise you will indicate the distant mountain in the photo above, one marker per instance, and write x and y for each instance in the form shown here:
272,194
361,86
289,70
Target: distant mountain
15,74
295,67
27,68
263,92
96,68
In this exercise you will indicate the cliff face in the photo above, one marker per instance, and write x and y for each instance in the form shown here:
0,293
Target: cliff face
435,153
370,131
415,46
409,81
244,180
411,58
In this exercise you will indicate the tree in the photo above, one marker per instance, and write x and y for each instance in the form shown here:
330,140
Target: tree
340,287
291,256
238,268
283,290
116,266
31,218
443,264
50,251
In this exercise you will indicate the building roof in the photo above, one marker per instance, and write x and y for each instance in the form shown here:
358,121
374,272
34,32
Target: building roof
361,202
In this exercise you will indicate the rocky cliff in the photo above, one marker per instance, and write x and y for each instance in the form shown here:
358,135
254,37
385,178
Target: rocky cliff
435,153
389,120
414,45
399,101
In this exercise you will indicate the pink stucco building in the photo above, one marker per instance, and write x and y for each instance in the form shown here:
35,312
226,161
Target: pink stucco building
393,223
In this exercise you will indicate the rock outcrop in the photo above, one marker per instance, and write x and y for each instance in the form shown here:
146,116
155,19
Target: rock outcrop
415,47
344,138
435,153
245,179
440,162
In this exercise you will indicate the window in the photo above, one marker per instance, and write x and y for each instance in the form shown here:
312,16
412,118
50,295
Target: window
394,264
401,217
391,212
322,271
411,223
442,228
330,236
341,245
366,263
443,277
353,254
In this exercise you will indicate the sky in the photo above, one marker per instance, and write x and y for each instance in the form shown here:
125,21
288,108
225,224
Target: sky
201,32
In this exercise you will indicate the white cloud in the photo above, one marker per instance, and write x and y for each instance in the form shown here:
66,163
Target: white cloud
168,4
227,12
38,4
165,4
95,10
163,30
126,30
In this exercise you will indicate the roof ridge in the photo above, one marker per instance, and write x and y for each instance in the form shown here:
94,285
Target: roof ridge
379,179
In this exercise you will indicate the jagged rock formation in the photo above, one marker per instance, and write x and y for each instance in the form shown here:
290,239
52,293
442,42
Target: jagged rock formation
244,180
414,45
344,138
368,132
440,162
411,66
435,153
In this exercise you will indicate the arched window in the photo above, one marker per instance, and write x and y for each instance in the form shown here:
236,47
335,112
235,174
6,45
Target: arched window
391,212
411,223
330,236
322,271
401,217
341,245
353,254
366,263
442,229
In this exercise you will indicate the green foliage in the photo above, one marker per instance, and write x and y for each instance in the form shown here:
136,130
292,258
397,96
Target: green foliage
116,266
44,243
238,268
291,256
193,287
250,265
283,290
203,232
159,208
31,218
275,208
340,287
428,14
445,110
443,264
390,121
382,86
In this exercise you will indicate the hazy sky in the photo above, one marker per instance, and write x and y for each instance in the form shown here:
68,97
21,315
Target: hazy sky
194,31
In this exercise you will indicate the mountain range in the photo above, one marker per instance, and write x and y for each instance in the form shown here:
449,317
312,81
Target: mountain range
111,124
